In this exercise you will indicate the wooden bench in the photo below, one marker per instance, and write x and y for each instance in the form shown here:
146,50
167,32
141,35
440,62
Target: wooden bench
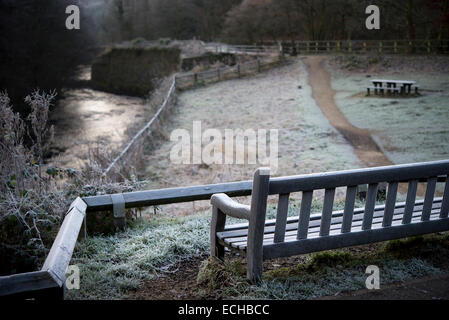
260,240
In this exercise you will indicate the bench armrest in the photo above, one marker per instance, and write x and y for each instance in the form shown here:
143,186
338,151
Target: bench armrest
230,207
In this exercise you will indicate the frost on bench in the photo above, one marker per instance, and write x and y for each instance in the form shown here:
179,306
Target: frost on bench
310,232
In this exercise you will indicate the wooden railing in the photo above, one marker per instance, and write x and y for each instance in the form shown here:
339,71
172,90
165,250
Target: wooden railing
49,282
339,46
368,46
193,79
247,49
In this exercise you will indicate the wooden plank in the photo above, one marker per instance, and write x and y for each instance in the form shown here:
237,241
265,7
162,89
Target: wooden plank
240,230
410,202
428,200
291,229
400,173
445,204
281,217
171,195
277,186
336,230
290,236
326,217
354,238
390,203
369,206
26,284
349,209
304,214
61,251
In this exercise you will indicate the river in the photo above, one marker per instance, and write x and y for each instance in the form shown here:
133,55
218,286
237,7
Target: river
88,119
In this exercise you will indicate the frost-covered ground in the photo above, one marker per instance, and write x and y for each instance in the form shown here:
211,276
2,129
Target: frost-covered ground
406,129
277,99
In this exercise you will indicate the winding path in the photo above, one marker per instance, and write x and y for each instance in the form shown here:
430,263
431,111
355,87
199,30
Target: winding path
364,146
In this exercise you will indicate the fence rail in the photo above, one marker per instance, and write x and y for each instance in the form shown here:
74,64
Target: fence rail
193,79
139,134
368,46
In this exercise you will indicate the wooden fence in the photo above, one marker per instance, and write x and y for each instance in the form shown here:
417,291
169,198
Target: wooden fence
368,46
193,79
49,282
248,49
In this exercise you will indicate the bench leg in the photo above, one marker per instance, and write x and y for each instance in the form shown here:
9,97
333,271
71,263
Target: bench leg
217,225
256,227
368,92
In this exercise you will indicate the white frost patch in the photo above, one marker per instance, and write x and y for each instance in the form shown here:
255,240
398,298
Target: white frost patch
406,129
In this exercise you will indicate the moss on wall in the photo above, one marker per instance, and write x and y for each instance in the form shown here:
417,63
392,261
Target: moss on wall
133,71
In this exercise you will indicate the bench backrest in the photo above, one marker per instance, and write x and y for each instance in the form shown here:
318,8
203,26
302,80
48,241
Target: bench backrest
428,173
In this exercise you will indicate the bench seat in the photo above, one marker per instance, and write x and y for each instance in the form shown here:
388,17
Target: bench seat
261,239
235,238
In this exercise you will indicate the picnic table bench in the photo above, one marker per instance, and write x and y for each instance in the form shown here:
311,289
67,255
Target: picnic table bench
391,86
284,236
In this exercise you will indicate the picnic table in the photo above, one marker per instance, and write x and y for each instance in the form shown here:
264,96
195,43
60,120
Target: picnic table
393,86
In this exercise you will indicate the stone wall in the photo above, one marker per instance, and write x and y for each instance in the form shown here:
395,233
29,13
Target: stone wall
133,71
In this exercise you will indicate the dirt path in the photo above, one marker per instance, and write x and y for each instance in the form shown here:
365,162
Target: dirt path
364,146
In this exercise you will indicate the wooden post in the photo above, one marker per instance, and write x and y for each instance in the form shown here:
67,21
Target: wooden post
217,225
258,65
308,47
195,79
218,74
395,47
428,47
350,46
364,47
238,69
338,46
328,47
316,47
380,47
254,254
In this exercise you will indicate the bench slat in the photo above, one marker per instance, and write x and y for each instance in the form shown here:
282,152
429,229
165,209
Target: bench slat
390,204
296,247
428,200
399,173
335,229
348,213
291,229
240,244
304,214
326,217
410,202
292,222
291,237
281,218
369,206
445,205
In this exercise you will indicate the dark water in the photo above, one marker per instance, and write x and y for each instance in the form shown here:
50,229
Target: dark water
85,118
